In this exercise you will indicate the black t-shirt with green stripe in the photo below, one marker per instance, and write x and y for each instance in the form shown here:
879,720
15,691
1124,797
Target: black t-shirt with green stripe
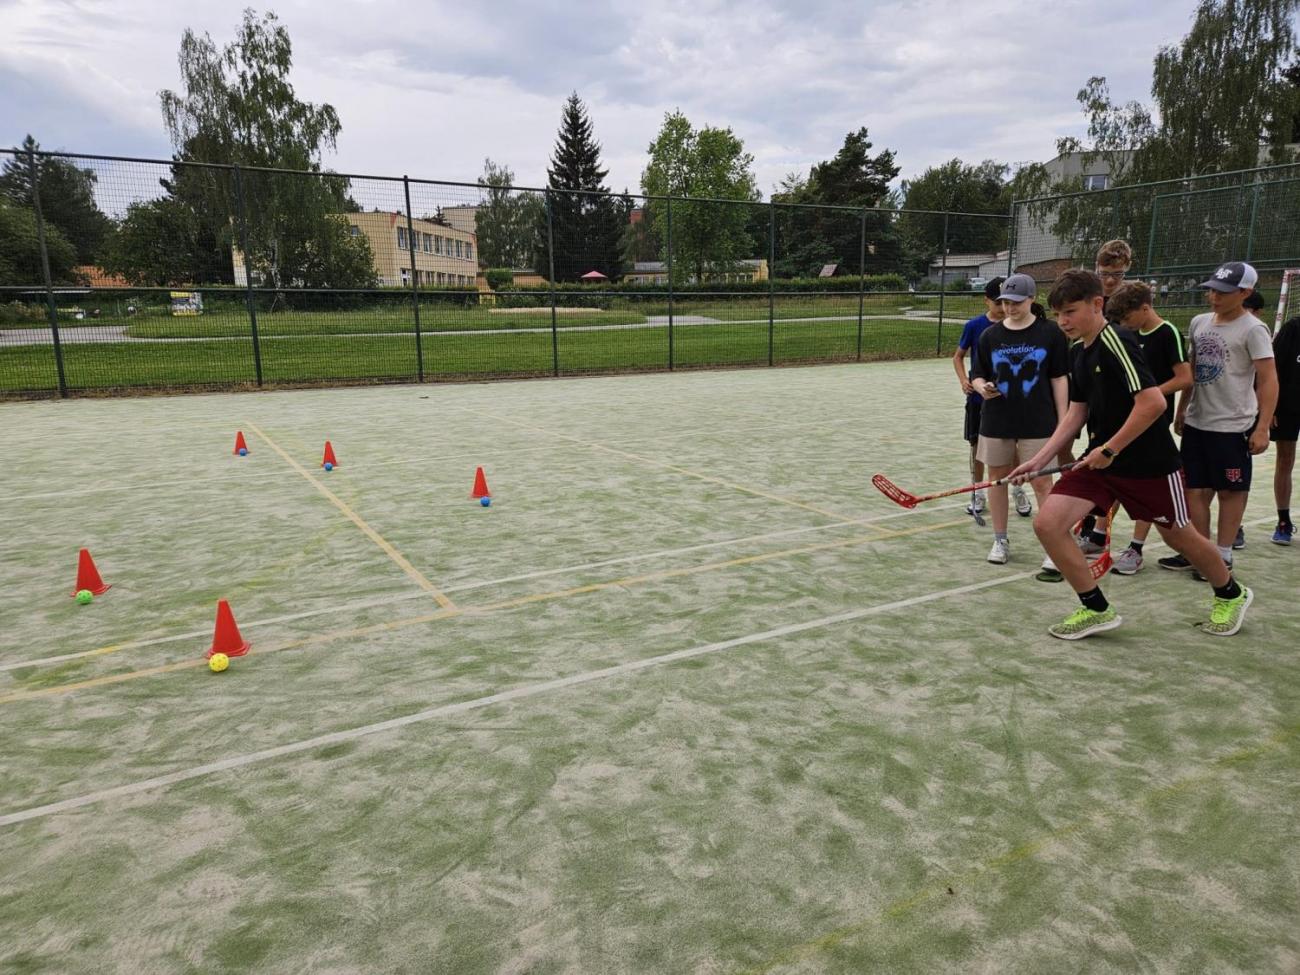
1106,375
1163,349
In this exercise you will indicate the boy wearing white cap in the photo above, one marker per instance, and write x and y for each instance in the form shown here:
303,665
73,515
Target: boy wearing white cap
1225,417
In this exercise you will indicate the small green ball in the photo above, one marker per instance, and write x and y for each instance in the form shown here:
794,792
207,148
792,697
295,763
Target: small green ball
85,597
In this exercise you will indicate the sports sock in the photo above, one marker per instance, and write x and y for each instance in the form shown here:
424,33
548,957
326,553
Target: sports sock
1226,552
1094,600
1136,546
1096,537
1230,590
1000,536
1089,523
1284,516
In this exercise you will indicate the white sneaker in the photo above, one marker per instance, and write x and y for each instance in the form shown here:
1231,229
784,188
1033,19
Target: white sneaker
979,502
1000,551
1128,562
1049,565
1024,507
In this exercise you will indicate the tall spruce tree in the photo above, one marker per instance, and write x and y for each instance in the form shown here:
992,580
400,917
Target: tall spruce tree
587,227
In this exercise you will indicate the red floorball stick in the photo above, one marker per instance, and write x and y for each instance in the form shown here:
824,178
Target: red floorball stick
908,500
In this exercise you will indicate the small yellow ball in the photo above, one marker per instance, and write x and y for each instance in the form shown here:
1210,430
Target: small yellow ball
218,662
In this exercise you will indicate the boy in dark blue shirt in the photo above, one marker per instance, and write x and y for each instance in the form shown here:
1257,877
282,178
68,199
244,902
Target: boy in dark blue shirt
970,336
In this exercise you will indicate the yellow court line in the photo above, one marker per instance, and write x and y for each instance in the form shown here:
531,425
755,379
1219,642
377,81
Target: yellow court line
504,604
663,464
402,563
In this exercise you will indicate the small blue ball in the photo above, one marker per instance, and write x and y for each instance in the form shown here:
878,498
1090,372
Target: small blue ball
243,451
329,466
485,501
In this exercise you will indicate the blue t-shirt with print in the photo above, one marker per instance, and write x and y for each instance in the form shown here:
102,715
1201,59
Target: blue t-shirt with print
969,341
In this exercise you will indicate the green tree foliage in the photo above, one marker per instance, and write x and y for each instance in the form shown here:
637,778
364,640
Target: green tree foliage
586,227
965,189
67,198
707,238
160,243
20,250
1224,100
807,238
236,105
507,220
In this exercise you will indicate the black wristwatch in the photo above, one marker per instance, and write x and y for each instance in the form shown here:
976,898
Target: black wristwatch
1108,453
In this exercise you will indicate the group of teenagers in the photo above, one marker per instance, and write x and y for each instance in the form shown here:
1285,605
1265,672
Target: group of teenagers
1111,363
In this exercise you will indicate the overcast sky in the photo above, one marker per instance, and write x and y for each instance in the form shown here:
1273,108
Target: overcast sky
430,89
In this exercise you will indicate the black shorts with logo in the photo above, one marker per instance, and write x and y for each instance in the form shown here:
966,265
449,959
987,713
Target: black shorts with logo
1218,461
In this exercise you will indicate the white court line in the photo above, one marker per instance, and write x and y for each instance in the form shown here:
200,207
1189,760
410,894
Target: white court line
483,584
501,697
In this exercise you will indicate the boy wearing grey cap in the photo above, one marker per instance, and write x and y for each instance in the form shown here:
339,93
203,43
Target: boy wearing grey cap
1224,418
1020,371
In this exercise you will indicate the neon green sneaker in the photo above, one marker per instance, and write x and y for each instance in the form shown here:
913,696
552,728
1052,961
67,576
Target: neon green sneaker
1085,622
1228,614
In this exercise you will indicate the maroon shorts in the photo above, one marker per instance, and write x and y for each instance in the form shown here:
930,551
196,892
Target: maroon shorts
1159,499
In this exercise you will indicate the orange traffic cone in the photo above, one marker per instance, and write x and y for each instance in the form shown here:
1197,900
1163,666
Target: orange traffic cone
226,638
480,486
329,457
88,575
239,442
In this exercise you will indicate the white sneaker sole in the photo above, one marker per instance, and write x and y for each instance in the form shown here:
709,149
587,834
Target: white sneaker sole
1099,628
1125,571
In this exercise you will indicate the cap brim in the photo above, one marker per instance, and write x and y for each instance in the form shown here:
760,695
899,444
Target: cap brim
1221,286
1007,297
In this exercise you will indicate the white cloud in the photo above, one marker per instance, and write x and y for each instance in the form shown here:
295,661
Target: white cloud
431,89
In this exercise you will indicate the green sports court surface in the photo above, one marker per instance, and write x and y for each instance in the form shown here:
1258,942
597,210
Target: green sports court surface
690,696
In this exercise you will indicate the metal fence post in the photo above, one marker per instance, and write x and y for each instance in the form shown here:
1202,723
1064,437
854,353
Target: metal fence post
862,276
1254,212
550,257
670,283
771,284
51,311
248,272
1151,236
943,285
415,280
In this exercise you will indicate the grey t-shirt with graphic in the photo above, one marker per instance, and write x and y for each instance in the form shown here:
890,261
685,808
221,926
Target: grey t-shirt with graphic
1223,399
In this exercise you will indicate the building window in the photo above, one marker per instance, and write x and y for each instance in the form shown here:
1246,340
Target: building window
401,238
437,244
458,248
469,251
428,243
1098,181
354,231
406,277
440,279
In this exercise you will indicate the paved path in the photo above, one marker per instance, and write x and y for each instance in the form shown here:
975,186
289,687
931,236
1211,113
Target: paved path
117,333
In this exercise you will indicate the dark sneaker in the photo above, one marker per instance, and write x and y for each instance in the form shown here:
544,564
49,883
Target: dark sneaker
1283,532
1239,542
1196,573
1175,562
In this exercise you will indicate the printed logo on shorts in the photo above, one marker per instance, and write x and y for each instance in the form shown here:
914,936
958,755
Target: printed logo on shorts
1212,355
1162,519
1234,475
